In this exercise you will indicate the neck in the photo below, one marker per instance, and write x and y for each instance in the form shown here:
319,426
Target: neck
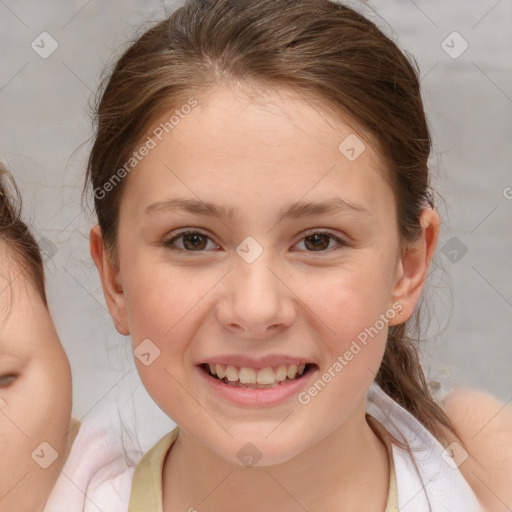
347,468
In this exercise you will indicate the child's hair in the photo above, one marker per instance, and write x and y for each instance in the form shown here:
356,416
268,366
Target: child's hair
17,244
324,51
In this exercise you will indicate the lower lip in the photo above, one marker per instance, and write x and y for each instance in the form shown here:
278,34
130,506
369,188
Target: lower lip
257,397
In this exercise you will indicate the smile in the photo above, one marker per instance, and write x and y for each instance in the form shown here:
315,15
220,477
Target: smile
257,378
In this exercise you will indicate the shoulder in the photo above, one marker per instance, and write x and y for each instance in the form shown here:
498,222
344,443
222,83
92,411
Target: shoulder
98,470
484,425
110,488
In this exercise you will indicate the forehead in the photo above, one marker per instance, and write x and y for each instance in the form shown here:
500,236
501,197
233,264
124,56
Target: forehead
18,293
276,145
24,320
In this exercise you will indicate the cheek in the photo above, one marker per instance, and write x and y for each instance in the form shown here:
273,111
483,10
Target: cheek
347,300
352,316
159,308
160,300
39,409
351,311
47,408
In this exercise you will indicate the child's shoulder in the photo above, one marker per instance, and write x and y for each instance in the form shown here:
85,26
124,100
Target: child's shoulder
98,471
484,425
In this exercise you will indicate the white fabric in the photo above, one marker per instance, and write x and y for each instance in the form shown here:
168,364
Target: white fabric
425,481
97,475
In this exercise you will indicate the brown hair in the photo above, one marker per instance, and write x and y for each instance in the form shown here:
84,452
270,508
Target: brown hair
321,49
17,241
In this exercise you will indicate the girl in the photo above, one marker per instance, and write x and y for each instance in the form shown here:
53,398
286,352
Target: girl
35,377
265,227
41,446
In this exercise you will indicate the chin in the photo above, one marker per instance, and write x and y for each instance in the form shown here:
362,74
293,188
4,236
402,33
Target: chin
259,452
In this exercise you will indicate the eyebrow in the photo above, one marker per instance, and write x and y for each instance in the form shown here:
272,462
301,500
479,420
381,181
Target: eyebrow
293,211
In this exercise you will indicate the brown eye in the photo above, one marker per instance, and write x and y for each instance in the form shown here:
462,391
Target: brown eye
317,241
320,242
6,380
192,241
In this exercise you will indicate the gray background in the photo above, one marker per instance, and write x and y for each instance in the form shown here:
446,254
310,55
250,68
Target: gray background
44,137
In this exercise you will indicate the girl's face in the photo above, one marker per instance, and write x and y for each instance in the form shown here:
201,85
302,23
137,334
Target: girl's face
295,257
35,396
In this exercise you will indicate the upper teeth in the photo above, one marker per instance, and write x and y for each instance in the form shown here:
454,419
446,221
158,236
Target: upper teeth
268,375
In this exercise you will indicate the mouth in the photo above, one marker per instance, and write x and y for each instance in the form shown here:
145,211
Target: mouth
257,378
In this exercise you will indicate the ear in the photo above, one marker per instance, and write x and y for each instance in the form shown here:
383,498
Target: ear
110,281
413,265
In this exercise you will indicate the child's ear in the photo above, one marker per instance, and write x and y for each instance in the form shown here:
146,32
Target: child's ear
413,265
109,275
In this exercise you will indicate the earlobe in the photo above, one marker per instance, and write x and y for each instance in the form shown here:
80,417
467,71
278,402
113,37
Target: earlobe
110,281
414,263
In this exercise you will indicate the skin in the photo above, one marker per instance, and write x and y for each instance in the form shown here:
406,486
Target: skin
258,155
485,428
35,395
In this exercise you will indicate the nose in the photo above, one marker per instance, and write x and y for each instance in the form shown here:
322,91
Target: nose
256,301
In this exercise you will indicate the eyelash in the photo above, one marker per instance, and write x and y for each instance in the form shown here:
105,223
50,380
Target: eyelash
168,243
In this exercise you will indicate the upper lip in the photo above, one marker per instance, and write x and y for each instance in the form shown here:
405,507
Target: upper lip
254,362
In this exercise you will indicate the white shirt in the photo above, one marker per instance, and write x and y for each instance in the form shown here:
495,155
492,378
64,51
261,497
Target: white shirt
428,479
97,474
